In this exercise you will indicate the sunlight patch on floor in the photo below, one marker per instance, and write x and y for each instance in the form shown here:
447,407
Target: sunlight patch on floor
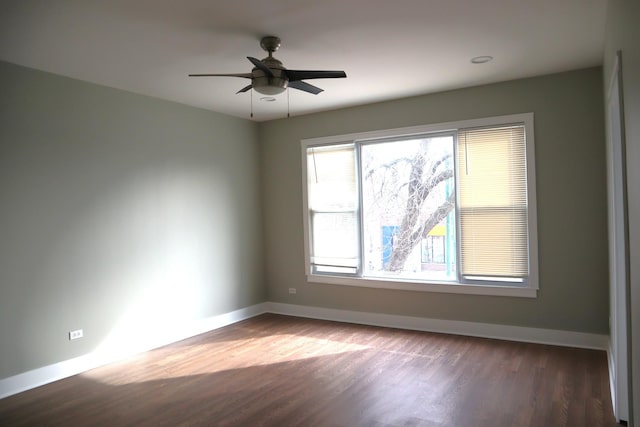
171,362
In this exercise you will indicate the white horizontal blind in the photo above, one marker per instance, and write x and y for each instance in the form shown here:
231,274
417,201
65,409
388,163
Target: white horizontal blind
492,185
333,198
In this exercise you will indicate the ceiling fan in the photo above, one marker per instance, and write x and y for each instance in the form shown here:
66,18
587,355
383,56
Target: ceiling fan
270,77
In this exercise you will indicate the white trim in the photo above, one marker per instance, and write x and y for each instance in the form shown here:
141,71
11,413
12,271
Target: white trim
612,376
57,371
457,327
619,261
532,201
414,130
407,285
529,290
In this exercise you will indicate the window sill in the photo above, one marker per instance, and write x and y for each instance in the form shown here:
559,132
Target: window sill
406,285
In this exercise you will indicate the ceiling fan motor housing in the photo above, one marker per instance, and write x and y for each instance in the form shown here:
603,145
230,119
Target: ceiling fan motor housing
267,85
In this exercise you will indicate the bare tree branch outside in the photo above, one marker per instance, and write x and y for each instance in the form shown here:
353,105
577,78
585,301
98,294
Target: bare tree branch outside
408,189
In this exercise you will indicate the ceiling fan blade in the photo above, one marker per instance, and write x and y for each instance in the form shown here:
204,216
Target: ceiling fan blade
244,89
245,75
261,66
305,87
308,74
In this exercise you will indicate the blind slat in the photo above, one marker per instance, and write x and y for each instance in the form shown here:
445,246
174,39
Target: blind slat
492,184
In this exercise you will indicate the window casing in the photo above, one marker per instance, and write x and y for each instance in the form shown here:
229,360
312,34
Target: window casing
483,242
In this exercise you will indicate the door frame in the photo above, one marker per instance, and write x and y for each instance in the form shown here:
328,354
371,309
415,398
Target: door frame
619,286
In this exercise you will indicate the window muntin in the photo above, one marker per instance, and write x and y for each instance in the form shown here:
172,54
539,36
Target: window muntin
473,281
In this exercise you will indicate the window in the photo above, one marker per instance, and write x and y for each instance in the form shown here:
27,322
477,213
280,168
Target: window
448,207
333,203
433,250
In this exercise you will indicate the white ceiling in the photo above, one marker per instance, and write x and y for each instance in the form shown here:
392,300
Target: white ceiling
389,49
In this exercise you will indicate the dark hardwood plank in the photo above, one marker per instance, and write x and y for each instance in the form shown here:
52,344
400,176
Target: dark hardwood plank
283,371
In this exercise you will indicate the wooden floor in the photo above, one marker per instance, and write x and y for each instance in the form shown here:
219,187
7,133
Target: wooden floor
283,371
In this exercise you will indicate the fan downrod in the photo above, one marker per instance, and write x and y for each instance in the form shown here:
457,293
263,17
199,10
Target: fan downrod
270,44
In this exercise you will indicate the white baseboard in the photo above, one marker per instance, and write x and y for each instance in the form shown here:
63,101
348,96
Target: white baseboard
457,327
57,371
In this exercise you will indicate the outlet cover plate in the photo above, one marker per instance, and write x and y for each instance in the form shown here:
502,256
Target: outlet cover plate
74,335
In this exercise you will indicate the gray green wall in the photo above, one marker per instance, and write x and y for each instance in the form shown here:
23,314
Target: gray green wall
571,196
623,33
128,216
120,214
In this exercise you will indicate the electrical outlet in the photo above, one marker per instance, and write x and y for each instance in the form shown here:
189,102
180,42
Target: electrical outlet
292,290
74,335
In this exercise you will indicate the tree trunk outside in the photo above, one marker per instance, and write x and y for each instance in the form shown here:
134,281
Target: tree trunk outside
410,232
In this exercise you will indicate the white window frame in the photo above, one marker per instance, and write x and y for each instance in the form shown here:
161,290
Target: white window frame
529,289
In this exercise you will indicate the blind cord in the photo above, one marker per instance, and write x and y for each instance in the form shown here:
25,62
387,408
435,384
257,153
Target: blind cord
315,169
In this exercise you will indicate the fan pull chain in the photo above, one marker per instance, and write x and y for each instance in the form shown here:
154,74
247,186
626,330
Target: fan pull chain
288,103
252,103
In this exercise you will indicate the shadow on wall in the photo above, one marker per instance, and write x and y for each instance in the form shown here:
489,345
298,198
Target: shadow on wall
132,261
177,263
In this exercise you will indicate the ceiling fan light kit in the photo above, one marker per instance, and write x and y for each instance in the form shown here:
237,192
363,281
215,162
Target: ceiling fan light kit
269,77
481,59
